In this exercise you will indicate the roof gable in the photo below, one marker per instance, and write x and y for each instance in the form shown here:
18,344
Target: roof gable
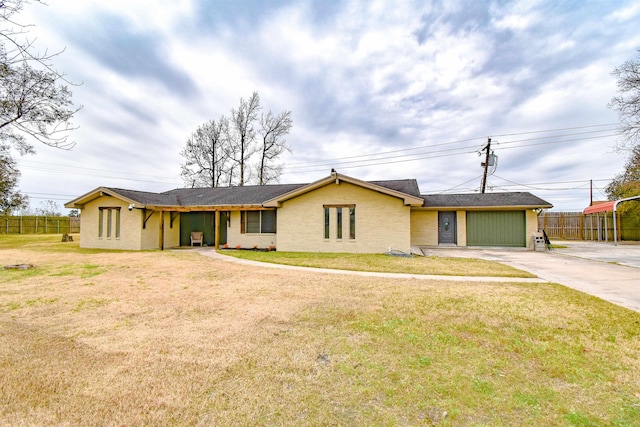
390,188
129,196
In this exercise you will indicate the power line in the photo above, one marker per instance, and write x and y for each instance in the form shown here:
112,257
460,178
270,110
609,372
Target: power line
313,163
429,155
534,185
88,169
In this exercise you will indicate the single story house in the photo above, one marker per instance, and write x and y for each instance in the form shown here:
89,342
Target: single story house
334,214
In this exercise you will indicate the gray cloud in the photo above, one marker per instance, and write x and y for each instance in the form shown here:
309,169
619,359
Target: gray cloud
110,40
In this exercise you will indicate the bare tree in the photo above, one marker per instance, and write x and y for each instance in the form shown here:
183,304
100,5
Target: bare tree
207,156
34,98
10,198
223,152
243,134
273,129
627,103
48,208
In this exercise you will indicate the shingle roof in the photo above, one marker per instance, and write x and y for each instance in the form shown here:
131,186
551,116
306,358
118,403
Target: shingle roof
258,194
224,196
246,195
145,197
477,200
407,186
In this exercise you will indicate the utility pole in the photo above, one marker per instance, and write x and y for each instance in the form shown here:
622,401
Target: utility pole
486,165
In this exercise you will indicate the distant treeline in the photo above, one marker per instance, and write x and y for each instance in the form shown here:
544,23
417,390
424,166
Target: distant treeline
39,224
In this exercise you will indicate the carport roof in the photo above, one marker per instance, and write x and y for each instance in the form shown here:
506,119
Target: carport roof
608,206
600,207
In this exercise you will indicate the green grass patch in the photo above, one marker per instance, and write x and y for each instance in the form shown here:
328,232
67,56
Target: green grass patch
82,271
436,359
90,304
16,275
384,263
46,243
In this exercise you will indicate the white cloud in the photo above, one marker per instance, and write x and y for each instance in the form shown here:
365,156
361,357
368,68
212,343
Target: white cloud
367,77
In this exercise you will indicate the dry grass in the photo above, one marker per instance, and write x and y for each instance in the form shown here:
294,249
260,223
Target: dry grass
174,338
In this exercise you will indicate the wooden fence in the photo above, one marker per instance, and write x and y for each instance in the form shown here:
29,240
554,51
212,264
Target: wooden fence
596,227
39,224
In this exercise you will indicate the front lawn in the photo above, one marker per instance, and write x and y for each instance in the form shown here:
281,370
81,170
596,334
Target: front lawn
175,338
384,263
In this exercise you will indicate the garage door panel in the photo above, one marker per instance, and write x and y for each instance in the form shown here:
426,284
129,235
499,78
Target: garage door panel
491,228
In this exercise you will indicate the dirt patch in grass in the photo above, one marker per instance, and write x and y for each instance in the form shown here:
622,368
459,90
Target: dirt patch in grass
175,338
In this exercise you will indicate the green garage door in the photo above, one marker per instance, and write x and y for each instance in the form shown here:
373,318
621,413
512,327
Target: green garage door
506,228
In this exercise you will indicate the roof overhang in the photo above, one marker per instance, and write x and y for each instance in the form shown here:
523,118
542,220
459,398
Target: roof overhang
80,202
206,208
336,178
484,208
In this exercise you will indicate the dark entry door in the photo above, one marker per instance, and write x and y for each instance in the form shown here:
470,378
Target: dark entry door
447,228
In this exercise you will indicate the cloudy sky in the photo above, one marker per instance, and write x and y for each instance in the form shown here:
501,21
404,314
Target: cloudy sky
378,89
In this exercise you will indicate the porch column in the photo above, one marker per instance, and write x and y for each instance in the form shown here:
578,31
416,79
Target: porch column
161,233
216,238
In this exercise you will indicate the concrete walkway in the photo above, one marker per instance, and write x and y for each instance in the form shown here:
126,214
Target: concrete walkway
600,269
213,254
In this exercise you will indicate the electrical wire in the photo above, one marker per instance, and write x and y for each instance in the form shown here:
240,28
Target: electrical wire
315,166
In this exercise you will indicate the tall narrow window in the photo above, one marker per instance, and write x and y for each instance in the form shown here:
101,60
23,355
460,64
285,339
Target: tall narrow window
118,223
109,223
339,223
326,223
352,223
100,222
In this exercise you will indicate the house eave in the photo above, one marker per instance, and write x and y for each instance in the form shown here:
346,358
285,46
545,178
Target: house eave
483,208
80,202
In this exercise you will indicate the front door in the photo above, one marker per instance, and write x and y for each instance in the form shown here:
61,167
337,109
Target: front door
447,228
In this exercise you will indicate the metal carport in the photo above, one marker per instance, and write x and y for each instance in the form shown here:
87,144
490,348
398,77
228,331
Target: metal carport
610,206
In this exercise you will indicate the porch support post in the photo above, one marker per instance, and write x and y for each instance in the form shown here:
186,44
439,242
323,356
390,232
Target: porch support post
216,238
161,234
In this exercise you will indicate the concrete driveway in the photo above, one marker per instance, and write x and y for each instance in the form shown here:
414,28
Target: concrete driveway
600,269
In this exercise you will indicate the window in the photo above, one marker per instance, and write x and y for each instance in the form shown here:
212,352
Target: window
253,222
109,223
268,221
110,220
117,223
352,223
340,220
326,223
258,222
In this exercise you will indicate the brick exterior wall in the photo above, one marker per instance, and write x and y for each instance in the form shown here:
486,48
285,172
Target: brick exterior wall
247,240
382,221
132,235
130,226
